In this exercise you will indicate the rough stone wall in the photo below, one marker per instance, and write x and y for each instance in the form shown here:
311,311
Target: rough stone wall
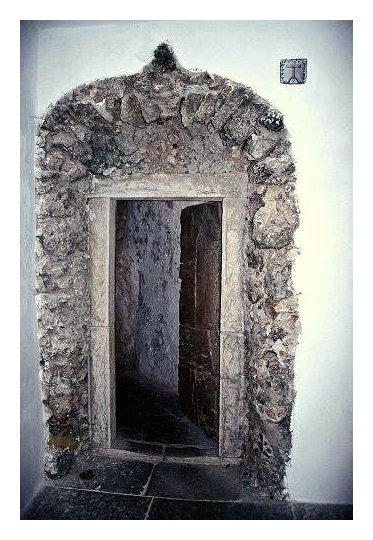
148,287
170,120
126,292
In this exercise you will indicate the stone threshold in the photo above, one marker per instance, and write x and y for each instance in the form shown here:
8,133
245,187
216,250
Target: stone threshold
167,449
163,458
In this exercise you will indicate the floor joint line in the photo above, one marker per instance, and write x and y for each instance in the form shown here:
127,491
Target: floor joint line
149,507
71,488
148,480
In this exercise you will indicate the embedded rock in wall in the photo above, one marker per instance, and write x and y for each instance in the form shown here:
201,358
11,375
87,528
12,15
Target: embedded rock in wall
166,119
275,222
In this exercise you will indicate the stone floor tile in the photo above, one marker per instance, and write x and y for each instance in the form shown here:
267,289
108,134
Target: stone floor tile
168,509
322,511
64,504
106,474
174,480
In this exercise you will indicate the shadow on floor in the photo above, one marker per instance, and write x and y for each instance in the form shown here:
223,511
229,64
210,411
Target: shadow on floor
150,420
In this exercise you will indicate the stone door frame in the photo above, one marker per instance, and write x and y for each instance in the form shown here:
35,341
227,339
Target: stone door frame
232,190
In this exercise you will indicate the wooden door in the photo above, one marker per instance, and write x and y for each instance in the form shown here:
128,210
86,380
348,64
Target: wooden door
199,349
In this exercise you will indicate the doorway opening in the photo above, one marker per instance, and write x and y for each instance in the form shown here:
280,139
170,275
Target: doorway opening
168,268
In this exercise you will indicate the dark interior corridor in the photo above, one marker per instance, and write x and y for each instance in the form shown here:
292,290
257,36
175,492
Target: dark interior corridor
168,264
150,420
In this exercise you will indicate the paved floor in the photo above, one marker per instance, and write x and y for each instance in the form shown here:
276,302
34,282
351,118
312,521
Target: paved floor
109,488
150,420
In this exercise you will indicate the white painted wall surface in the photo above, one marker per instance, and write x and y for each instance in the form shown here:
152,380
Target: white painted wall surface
319,118
31,431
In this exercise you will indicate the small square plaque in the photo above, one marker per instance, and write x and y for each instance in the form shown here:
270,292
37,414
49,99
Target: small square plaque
293,71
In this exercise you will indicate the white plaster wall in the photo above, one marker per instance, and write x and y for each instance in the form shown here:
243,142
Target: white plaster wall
31,411
318,116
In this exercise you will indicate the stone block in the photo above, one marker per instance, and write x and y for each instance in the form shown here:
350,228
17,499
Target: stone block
102,246
131,111
232,354
272,396
229,104
61,309
177,481
234,213
261,143
207,107
189,107
102,383
62,345
232,286
60,237
62,275
274,169
275,222
277,275
232,417
53,503
193,185
165,106
240,125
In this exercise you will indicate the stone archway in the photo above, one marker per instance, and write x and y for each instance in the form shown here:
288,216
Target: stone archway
169,121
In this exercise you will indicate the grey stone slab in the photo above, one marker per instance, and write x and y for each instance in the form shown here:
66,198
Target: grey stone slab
101,245
106,474
231,281
232,394
234,212
65,504
102,380
192,510
232,352
142,186
322,511
182,481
